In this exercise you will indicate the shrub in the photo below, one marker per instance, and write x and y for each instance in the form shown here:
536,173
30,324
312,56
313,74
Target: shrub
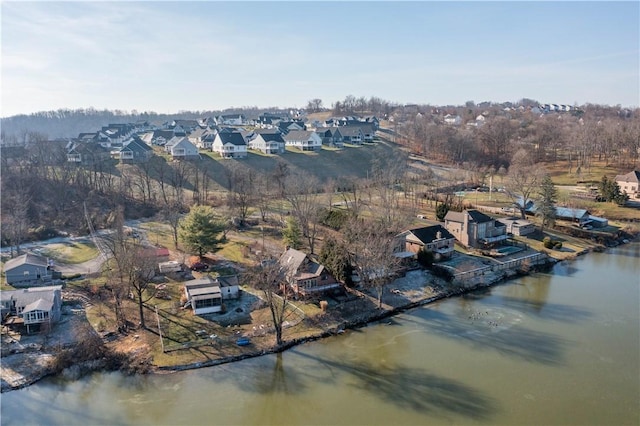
425,258
334,219
547,242
557,245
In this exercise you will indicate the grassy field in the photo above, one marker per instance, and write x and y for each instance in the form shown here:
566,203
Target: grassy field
70,252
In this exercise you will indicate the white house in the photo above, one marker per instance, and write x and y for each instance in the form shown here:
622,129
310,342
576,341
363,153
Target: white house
303,140
182,148
268,143
517,226
230,145
203,295
630,184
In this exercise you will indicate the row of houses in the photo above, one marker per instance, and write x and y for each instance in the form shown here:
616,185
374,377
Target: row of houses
182,139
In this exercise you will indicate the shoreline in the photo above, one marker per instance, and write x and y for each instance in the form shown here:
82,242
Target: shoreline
78,370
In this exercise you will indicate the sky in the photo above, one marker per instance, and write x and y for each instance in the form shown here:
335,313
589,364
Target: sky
174,56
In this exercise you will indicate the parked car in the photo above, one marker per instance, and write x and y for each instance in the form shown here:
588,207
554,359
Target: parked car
199,266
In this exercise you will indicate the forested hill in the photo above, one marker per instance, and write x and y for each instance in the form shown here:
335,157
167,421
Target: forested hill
66,123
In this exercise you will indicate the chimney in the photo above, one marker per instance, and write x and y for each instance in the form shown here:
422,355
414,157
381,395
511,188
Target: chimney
438,235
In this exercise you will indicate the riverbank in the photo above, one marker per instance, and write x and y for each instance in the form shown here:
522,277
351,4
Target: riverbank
36,357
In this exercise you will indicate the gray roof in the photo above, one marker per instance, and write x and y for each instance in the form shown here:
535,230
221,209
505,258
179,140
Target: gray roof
292,259
25,259
633,176
298,135
39,305
350,131
29,297
234,138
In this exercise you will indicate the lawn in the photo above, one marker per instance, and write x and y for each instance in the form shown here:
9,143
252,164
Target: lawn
70,252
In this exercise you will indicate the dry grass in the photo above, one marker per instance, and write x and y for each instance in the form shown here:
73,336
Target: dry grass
71,252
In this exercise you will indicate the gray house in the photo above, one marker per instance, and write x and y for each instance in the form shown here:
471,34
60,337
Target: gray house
135,150
268,143
31,307
28,270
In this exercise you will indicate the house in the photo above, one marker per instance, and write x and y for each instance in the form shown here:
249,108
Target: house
350,134
28,270
581,216
435,239
305,276
230,145
630,184
86,153
183,149
330,136
134,151
475,229
368,131
207,139
231,119
288,126
268,143
373,120
203,295
303,140
517,226
33,307
229,286
452,120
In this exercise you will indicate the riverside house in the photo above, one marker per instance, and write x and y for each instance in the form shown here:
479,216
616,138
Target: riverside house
435,239
31,307
304,275
475,229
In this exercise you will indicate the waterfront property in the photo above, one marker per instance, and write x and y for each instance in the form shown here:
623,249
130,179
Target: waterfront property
305,276
203,295
475,229
517,226
31,308
435,239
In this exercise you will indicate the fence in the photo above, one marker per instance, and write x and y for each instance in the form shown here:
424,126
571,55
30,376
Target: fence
532,259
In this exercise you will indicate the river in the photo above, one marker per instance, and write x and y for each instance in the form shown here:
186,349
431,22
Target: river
556,348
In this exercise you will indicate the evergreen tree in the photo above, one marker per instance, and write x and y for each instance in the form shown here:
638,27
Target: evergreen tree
291,234
441,211
335,257
546,208
200,230
610,191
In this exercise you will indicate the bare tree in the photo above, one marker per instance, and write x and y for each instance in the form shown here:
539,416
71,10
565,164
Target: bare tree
270,278
242,188
302,192
523,180
140,269
372,243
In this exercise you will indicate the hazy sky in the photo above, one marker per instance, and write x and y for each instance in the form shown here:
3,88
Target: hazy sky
167,57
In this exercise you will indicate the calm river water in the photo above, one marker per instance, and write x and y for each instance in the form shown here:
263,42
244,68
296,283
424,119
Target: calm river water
558,348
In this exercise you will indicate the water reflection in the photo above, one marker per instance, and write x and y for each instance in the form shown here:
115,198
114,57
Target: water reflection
410,388
506,338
